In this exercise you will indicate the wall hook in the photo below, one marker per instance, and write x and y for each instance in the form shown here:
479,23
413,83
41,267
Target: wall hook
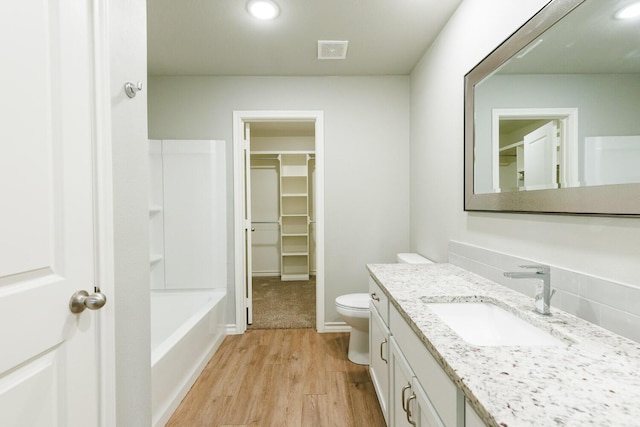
131,89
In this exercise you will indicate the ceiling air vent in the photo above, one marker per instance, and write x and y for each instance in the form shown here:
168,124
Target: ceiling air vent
332,49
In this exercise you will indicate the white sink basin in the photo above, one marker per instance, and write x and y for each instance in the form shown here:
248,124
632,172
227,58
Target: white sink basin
486,324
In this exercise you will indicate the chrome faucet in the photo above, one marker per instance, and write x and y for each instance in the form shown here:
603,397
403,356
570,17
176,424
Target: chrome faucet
543,293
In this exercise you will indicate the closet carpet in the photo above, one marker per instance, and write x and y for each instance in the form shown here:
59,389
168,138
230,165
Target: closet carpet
283,305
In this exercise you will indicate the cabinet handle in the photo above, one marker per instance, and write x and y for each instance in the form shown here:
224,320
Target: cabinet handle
408,411
375,297
381,355
404,389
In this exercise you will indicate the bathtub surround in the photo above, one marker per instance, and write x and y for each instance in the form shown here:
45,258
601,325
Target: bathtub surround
187,221
186,203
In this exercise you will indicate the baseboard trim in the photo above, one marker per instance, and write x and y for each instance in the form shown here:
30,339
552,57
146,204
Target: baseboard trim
265,274
329,327
231,329
336,327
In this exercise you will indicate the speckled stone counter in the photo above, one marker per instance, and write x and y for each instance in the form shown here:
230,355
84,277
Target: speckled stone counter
592,380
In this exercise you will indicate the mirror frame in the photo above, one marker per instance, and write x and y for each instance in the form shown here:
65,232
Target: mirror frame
607,200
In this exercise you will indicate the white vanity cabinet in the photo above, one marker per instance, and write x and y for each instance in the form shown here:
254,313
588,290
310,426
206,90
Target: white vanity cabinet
379,345
409,404
441,397
411,386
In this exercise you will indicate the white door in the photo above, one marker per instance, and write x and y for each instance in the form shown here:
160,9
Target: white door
540,158
248,229
48,356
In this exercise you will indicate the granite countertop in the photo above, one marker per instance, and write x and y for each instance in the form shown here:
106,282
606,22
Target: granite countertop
592,380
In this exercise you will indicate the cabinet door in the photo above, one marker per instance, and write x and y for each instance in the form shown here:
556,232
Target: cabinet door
471,418
420,408
379,363
446,397
400,391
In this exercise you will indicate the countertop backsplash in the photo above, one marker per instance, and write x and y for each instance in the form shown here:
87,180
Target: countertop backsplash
611,305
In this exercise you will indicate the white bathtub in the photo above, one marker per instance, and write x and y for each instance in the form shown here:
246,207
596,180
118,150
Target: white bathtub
187,327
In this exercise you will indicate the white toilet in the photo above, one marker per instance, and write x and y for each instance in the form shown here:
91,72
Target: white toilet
411,258
354,310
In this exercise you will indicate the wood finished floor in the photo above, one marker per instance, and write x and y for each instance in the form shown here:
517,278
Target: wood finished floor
281,377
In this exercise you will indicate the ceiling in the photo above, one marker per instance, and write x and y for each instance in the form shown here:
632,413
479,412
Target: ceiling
218,37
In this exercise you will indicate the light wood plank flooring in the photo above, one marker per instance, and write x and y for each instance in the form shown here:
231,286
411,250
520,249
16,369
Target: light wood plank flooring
281,377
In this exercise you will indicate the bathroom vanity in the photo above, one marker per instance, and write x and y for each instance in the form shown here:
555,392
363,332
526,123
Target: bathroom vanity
426,374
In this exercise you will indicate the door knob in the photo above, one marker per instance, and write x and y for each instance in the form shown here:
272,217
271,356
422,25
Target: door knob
81,300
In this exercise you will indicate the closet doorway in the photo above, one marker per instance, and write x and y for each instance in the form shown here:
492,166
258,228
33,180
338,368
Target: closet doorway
279,217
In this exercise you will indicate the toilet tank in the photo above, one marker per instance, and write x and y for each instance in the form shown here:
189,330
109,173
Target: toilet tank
412,258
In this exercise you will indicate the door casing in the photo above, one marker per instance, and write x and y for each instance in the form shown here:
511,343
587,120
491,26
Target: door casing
569,140
239,120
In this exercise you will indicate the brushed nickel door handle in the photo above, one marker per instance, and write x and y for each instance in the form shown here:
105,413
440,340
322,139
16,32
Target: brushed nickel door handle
81,300
381,355
408,411
404,403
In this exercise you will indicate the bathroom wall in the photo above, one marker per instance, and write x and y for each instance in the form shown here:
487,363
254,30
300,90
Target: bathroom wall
122,135
366,148
596,247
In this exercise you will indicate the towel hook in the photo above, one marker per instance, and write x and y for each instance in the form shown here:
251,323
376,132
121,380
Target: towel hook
130,89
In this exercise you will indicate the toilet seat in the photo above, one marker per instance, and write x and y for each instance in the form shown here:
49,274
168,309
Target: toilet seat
355,302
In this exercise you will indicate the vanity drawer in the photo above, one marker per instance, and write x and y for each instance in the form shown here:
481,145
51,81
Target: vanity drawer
379,300
447,399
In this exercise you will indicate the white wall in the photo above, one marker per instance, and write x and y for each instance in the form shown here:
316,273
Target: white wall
129,217
602,247
366,148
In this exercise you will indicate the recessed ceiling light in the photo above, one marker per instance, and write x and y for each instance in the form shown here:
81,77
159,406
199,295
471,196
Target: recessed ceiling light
263,9
629,12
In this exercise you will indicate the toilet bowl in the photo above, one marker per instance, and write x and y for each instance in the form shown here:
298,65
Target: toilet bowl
354,310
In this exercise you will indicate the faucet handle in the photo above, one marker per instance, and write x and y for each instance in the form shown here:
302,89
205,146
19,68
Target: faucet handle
540,269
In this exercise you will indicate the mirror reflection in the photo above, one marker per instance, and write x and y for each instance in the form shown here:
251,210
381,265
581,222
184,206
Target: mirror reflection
564,111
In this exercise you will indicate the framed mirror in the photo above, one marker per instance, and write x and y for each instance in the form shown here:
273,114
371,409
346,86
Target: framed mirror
552,115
